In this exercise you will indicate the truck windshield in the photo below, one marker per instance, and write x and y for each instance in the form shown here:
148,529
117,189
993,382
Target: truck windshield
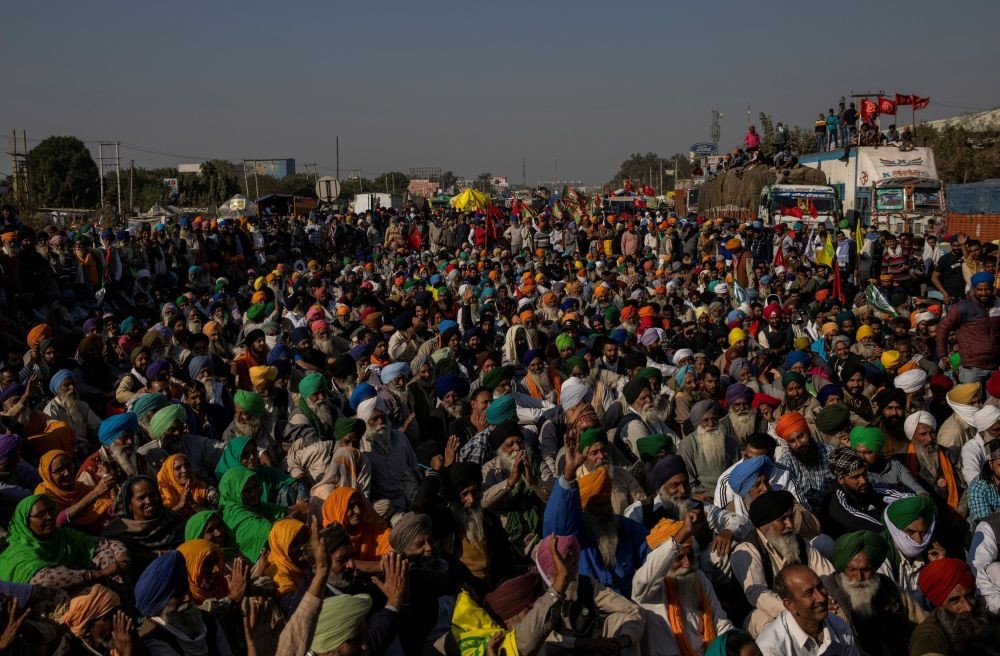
889,199
824,204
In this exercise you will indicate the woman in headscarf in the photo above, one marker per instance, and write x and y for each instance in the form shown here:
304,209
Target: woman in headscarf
182,491
244,511
348,469
368,535
143,524
81,506
276,486
205,570
208,525
40,553
287,542
88,621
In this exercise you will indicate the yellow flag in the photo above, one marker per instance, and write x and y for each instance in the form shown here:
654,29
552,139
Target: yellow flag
826,254
859,236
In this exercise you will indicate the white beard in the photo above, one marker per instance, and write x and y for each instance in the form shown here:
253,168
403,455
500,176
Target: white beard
250,428
379,436
129,462
743,424
859,595
606,531
470,520
454,410
542,381
711,444
322,412
672,505
219,349
688,587
506,461
787,547
68,399
324,346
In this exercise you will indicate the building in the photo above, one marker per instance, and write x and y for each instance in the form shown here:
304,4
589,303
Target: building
499,182
423,187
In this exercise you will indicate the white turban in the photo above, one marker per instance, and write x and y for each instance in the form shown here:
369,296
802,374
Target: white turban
910,381
721,289
574,392
368,407
919,417
681,355
925,316
986,417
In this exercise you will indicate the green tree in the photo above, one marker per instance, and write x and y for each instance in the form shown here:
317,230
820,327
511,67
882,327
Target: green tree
962,155
220,183
393,181
799,139
61,173
644,170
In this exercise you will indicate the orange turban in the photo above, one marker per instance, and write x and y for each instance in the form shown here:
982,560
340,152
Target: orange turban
211,328
790,423
663,531
601,291
594,484
733,243
646,311
258,297
569,316
828,328
549,298
627,311
526,316
909,366
84,609
39,334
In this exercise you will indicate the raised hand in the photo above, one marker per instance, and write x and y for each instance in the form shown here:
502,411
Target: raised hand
239,580
451,450
15,619
573,457
122,637
260,626
563,572
395,579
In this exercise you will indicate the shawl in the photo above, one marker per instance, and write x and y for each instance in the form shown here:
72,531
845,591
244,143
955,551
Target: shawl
946,471
93,515
271,480
195,528
251,525
286,573
171,489
675,614
196,553
161,533
26,554
370,539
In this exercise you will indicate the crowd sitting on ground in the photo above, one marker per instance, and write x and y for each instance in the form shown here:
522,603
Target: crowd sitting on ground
425,433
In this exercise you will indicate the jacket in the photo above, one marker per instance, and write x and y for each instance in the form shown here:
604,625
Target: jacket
978,332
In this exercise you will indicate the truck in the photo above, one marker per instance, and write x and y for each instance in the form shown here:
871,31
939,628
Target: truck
753,192
887,187
372,201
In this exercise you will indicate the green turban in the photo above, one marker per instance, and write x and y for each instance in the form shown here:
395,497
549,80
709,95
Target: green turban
311,384
564,341
850,545
147,403
833,419
165,418
348,425
649,447
493,379
574,361
591,436
501,410
905,511
647,373
255,312
871,437
612,315
792,377
252,402
339,618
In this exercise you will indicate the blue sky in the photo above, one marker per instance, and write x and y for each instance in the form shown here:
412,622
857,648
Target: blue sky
471,86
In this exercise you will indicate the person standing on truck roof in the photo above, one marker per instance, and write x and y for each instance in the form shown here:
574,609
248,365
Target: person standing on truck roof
833,130
820,131
780,136
849,122
975,320
752,139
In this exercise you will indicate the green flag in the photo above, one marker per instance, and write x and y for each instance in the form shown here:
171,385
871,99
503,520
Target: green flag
877,300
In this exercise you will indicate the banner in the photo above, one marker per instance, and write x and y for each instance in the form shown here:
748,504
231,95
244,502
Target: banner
838,290
868,109
886,106
877,300
859,236
920,103
779,257
740,295
827,254
904,100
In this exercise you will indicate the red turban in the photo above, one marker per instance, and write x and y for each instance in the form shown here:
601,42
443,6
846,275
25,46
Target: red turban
993,385
789,423
938,578
514,595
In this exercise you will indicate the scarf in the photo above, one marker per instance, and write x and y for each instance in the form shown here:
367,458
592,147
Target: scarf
92,515
195,528
26,554
370,539
271,480
675,614
535,391
524,513
171,489
196,553
251,525
283,570
947,471
965,413
161,533
903,543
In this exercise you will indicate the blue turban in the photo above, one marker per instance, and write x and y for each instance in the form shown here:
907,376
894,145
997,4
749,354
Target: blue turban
163,580
983,276
278,353
58,379
117,425
361,393
682,374
10,446
619,335
796,357
501,409
826,392
744,475
198,364
12,390
532,354
156,368
147,403
362,350
446,324
391,372
300,334
451,383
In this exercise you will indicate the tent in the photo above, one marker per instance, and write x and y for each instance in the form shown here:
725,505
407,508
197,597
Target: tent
470,199
238,205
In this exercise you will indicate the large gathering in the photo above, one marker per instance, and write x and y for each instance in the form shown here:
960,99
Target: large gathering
545,428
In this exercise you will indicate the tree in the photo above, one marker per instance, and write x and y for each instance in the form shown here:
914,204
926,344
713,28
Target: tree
644,170
393,182
220,183
799,139
61,173
962,155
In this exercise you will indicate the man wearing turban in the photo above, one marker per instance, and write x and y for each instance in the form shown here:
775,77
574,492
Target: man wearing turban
624,488
251,419
707,451
960,427
68,407
910,524
890,411
741,420
867,442
541,381
974,452
851,504
391,458
168,430
972,320
806,458
670,587
481,543
936,468
868,600
771,546
959,624
117,456
612,547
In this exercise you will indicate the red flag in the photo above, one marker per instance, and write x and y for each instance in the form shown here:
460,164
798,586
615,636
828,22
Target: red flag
920,103
628,186
415,241
791,211
904,100
648,191
868,109
515,208
812,209
493,214
838,291
779,257
886,106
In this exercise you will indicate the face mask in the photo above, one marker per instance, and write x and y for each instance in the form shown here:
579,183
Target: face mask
271,340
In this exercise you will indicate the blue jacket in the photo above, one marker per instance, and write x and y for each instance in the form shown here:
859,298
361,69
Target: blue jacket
564,516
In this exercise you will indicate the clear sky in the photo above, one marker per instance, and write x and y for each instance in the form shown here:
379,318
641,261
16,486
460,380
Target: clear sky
470,86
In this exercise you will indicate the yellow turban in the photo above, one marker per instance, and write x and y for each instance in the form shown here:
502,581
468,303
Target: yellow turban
663,531
965,394
737,335
828,328
864,331
891,359
262,374
595,484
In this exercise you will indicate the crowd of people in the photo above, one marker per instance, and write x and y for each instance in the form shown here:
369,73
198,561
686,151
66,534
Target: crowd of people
420,432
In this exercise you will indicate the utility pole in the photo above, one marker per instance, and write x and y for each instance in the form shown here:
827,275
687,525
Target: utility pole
118,175
338,158
524,174
131,185
100,165
246,181
555,169
19,171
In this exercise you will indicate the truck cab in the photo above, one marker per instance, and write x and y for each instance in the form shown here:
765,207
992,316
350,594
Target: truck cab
794,203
